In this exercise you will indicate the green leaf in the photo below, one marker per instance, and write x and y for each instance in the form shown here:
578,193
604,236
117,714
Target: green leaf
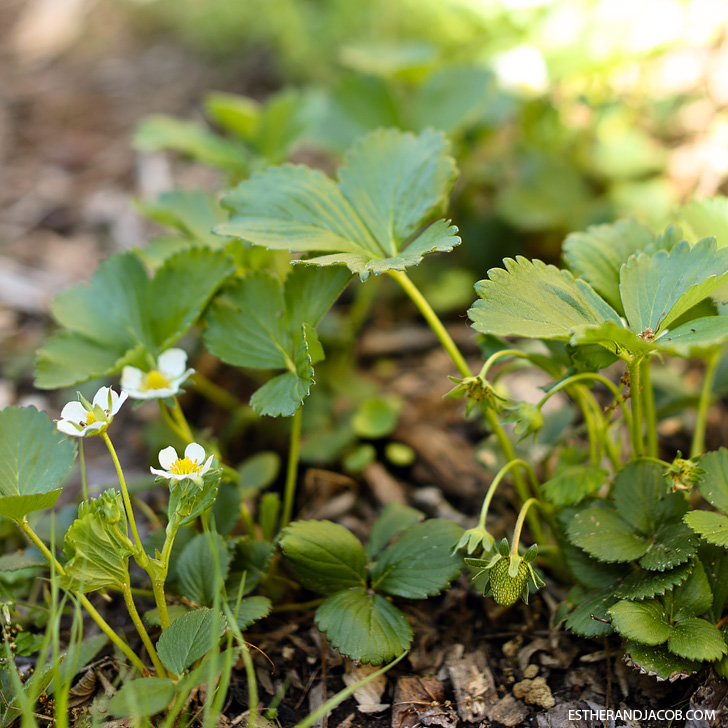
644,622
251,557
251,610
598,254
34,460
713,481
159,133
142,698
97,546
394,519
713,527
672,544
658,289
188,639
174,611
324,556
638,488
22,560
696,639
122,314
572,484
656,660
364,626
586,618
644,584
258,472
391,184
200,573
535,300
708,217
715,563
226,508
376,418
693,598
187,499
604,534
420,563
591,573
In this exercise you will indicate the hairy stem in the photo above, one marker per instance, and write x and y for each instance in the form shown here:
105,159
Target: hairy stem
82,462
289,493
648,405
706,397
638,447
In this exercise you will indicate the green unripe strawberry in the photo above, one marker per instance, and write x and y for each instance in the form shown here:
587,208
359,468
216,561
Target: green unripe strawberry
506,589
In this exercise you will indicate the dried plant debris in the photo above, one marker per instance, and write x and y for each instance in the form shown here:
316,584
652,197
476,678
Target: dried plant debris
420,701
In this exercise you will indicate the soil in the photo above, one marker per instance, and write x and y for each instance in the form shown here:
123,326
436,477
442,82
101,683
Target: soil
69,175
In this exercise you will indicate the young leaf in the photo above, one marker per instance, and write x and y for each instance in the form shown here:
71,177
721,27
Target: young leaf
644,584
394,519
535,300
142,698
590,618
696,639
604,534
644,622
713,527
713,481
97,546
598,254
420,563
34,460
364,626
121,315
656,660
324,556
572,484
391,184
197,571
188,639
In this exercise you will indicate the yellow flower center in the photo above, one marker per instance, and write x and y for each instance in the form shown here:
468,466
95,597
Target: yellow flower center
90,418
184,466
155,380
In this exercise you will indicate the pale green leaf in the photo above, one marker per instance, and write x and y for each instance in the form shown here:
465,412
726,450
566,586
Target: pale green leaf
604,534
535,300
364,626
696,639
258,472
658,661
590,617
713,481
672,544
598,254
376,418
708,218
324,556
656,290
201,573
420,563
694,337
572,484
644,622
142,698
34,460
644,584
394,519
310,292
713,527
189,638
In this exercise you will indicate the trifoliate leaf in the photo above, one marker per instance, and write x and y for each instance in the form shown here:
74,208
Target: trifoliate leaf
604,534
420,563
324,556
599,253
713,481
644,584
142,698
34,460
391,184
644,622
672,544
696,639
713,527
394,519
364,626
535,300
590,618
122,314
572,484
189,638
200,572
97,546
658,661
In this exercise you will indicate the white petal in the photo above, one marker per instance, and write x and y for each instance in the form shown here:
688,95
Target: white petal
193,451
101,398
67,428
157,393
172,362
74,411
163,473
95,426
167,457
117,400
131,378
177,382
206,466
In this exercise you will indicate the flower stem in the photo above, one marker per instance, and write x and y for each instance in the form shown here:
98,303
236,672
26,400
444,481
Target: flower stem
498,355
706,395
638,447
215,393
100,621
432,319
169,420
648,404
179,417
134,614
82,462
141,555
292,472
519,524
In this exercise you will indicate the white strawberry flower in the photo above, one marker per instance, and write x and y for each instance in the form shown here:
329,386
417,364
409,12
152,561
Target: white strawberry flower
83,418
164,381
192,466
